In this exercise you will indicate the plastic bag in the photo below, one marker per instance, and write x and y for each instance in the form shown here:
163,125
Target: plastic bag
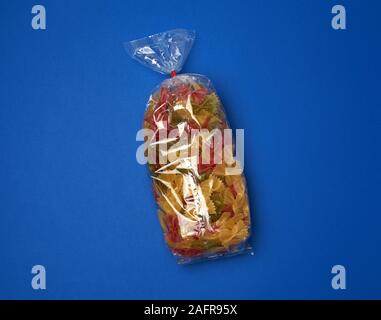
197,183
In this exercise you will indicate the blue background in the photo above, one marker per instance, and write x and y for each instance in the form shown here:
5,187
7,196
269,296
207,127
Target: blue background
74,199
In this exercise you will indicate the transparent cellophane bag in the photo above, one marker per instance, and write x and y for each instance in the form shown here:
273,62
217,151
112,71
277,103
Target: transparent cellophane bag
203,206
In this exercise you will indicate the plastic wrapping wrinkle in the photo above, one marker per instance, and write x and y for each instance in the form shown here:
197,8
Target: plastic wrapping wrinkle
164,52
203,209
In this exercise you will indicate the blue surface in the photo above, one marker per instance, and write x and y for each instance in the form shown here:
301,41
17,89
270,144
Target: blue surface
74,199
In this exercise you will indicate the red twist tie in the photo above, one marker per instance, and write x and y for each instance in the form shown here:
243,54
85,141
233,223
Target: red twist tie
173,73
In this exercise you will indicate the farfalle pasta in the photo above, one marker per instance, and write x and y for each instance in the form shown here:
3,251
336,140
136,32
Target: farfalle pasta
198,185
